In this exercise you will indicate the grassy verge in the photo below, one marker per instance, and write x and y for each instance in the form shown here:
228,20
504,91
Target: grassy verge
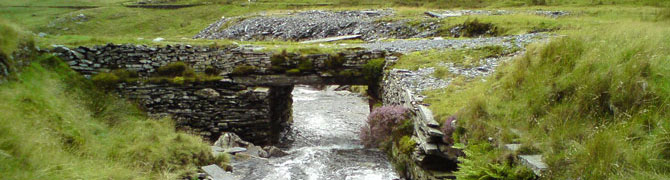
593,103
57,125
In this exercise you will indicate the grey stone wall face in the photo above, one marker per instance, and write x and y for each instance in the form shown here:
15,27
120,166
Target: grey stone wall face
430,146
210,108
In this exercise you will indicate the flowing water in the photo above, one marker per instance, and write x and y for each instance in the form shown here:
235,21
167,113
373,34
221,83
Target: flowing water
323,142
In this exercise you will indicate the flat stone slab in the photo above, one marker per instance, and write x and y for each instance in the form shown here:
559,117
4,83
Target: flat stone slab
534,162
440,15
330,39
235,150
217,173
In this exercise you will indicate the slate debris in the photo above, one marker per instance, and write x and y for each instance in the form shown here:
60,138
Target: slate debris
317,24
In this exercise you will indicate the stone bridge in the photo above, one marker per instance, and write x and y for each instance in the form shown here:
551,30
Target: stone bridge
250,96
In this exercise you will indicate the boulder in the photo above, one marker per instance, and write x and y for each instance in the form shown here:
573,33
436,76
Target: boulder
257,151
275,152
229,140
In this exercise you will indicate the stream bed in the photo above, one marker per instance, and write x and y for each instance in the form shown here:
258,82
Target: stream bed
323,142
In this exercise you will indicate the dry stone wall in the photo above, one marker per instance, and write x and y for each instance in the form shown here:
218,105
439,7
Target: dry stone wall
432,155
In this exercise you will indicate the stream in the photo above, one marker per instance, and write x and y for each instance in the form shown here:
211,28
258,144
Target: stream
323,142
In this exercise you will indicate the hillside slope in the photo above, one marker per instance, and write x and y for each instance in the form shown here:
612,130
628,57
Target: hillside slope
594,103
54,124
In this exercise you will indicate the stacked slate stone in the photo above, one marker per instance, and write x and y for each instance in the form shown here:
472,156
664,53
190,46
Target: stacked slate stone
427,134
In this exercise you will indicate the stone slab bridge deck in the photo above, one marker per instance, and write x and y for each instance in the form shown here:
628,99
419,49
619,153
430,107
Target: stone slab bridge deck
252,97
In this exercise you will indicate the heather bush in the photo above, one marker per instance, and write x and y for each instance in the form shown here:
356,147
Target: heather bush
448,129
380,124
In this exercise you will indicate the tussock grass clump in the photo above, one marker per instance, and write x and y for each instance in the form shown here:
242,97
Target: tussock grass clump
244,70
111,79
175,69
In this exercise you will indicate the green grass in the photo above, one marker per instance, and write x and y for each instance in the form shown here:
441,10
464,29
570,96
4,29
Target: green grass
57,125
593,103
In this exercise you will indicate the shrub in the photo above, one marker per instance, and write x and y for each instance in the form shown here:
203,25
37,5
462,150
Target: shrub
175,69
475,28
380,123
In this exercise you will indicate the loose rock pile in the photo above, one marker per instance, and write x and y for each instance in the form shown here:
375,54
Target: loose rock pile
315,25
405,46
456,13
